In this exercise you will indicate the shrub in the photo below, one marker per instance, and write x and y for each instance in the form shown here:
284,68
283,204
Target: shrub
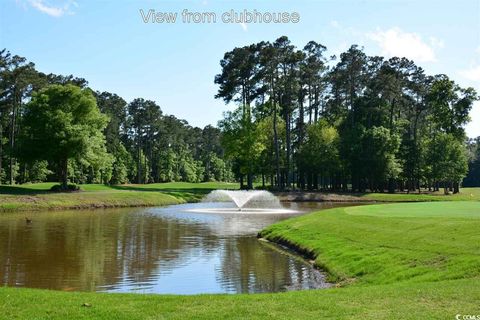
71,187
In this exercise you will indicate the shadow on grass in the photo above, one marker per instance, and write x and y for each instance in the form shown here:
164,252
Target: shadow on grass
182,193
21,190
162,189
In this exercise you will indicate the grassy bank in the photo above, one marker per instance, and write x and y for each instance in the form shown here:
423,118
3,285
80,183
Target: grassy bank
466,194
38,197
382,244
433,300
392,261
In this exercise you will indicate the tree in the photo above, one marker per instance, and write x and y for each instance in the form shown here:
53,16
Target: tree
448,162
319,154
17,77
239,81
115,134
473,177
63,122
450,105
144,118
241,144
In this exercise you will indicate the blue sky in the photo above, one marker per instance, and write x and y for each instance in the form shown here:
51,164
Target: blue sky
108,43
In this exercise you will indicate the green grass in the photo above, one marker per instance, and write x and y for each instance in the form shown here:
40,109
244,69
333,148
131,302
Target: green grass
391,261
38,197
30,188
382,244
440,300
466,194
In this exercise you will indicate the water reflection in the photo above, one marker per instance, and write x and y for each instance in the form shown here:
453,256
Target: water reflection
160,250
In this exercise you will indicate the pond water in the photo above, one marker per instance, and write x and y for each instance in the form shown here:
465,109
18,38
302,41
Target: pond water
153,250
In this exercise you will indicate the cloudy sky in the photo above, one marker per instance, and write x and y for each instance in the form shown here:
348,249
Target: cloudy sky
109,44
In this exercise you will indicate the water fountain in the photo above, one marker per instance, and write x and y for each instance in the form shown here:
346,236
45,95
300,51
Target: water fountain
246,202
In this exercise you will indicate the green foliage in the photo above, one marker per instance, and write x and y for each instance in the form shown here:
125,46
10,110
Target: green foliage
473,177
240,141
60,188
122,164
450,106
319,152
266,137
447,158
217,169
384,112
380,147
39,171
63,123
168,165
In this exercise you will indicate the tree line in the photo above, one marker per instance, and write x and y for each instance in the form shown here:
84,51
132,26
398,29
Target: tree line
54,126
355,122
473,177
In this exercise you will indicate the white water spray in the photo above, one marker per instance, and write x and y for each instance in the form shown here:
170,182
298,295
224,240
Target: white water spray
252,201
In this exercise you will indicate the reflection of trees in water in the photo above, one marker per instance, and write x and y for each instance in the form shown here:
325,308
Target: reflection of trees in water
251,266
86,250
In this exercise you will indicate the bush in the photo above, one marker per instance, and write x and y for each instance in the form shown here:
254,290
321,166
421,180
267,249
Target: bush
71,187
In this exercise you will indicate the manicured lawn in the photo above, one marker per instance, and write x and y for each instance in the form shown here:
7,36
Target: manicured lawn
187,186
90,200
391,261
38,197
381,244
466,194
432,300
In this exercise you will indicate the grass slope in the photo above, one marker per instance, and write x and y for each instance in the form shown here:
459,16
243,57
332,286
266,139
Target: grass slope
38,197
382,244
466,194
439,300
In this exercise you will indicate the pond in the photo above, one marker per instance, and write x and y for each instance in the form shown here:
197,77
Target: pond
151,250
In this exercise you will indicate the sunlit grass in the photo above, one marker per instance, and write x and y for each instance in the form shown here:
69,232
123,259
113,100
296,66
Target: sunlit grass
38,197
390,243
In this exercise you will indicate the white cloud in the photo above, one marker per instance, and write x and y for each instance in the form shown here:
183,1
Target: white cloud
473,128
395,42
435,42
54,10
472,74
334,23
244,26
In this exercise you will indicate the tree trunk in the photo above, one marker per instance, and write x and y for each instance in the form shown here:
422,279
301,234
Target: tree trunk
288,142
64,173
391,185
1,152
277,148
456,187
12,136
249,181
139,163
